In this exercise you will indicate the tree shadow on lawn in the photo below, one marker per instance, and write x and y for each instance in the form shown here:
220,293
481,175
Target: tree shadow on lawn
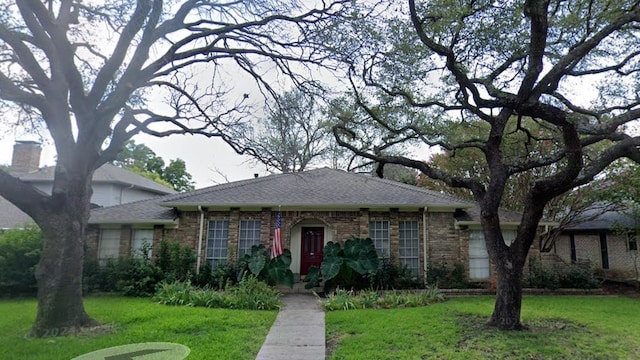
547,338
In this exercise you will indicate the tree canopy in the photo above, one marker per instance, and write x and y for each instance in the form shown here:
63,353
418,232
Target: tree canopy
571,67
140,159
94,74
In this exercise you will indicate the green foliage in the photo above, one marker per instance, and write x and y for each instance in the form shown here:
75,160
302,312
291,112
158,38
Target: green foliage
343,299
128,276
19,255
216,278
273,271
140,159
176,261
249,294
572,277
350,267
449,278
392,276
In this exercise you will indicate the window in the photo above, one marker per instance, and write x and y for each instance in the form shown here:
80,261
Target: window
249,236
409,246
379,233
109,245
478,255
632,242
217,242
142,240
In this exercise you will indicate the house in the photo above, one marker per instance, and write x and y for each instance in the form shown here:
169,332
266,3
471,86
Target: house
407,224
608,242
111,185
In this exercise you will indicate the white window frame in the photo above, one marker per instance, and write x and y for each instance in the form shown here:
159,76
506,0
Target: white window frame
379,233
109,244
248,236
217,242
409,246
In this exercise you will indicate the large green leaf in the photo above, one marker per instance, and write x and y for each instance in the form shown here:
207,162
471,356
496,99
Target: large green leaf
330,267
279,273
313,277
331,249
257,259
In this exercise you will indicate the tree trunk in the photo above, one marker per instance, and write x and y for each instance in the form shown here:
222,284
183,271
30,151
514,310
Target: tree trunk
59,272
506,313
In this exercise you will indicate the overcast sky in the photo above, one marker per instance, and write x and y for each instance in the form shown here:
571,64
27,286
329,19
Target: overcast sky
202,156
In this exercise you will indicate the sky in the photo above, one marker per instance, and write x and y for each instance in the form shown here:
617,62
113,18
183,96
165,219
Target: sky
206,159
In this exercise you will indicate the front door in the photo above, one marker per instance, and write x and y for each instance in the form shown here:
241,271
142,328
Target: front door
312,245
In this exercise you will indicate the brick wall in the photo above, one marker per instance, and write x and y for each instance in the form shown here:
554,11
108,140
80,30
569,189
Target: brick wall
445,242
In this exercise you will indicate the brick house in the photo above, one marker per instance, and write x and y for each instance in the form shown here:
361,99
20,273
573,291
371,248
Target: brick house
111,185
600,243
408,224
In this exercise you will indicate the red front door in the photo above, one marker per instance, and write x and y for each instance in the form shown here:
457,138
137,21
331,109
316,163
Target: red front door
312,245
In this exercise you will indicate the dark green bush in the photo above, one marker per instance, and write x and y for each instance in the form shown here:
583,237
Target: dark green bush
19,255
572,277
392,276
449,277
177,262
217,278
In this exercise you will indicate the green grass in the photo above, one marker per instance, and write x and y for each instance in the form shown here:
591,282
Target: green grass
559,328
209,333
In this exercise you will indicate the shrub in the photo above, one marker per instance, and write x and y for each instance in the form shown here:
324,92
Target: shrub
573,277
392,276
343,299
19,255
248,294
449,278
138,277
177,262
253,294
261,265
349,267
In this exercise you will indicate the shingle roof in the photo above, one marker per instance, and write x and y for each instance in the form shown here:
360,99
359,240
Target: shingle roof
143,211
607,221
107,173
11,216
320,188
317,188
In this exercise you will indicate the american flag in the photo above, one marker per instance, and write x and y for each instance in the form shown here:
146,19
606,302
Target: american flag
276,249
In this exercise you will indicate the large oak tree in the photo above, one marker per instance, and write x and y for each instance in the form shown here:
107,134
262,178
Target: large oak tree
571,66
86,73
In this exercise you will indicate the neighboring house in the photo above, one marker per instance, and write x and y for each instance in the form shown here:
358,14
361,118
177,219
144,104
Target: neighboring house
220,223
111,185
603,243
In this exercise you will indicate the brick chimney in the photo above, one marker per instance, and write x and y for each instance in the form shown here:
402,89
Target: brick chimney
26,156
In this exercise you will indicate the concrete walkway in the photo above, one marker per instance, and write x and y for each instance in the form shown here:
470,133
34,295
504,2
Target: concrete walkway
298,332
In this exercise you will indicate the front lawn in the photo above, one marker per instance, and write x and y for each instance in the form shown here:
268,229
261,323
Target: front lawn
560,328
209,333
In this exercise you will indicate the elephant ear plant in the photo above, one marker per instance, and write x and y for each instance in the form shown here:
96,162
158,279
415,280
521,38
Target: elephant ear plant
273,271
349,267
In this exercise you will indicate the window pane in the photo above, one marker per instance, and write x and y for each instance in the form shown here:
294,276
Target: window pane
249,236
478,256
109,246
379,233
410,246
217,242
142,238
